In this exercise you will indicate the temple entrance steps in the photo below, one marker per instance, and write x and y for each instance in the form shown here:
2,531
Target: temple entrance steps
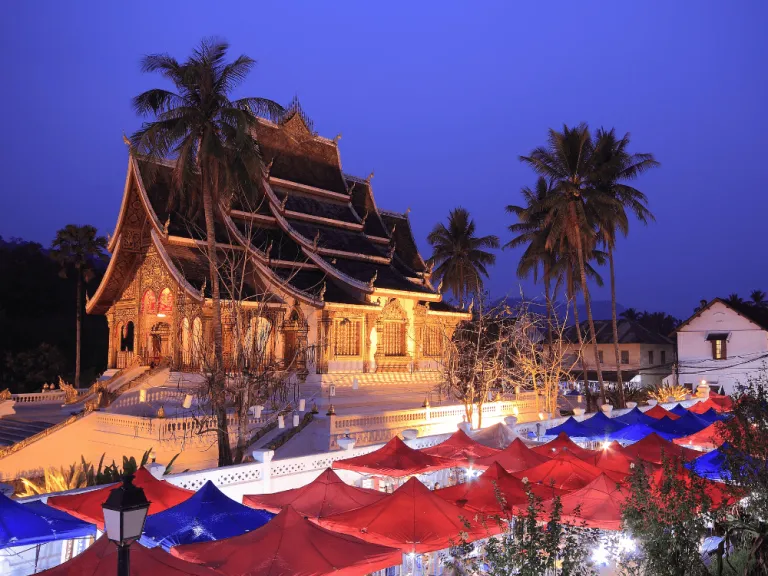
13,430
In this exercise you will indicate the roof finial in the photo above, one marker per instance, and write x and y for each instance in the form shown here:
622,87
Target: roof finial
407,210
322,293
126,141
370,177
109,237
394,227
391,250
471,304
283,202
268,251
316,241
373,278
268,167
440,287
166,225
365,217
202,288
87,298
337,138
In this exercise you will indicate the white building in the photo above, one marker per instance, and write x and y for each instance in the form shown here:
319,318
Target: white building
723,344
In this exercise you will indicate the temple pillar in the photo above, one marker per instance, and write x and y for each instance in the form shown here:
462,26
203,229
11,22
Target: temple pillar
325,335
112,350
369,323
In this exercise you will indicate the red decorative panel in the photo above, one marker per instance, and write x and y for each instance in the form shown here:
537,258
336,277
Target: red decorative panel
149,302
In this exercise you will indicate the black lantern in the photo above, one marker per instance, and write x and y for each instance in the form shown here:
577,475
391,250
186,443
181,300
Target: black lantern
125,512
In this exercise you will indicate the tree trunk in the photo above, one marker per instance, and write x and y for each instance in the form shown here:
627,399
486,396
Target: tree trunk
79,320
619,382
585,292
551,403
581,353
218,392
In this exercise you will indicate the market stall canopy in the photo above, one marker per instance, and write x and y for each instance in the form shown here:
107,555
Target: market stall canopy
712,415
725,402
460,448
710,437
325,495
87,505
562,444
636,432
395,459
679,409
36,523
702,407
101,558
516,456
498,436
612,458
601,426
207,515
719,493
635,416
412,518
291,545
658,412
683,426
565,472
483,493
711,465
597,505
653,446
571,428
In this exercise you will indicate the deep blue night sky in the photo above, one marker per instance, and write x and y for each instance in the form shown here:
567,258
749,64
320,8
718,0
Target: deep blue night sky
440,99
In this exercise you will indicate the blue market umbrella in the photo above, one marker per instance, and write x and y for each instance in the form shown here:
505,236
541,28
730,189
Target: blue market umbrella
635,433
679,410
36,523
710,465
688,424
635,416
712,416
207,515
572,428
601,426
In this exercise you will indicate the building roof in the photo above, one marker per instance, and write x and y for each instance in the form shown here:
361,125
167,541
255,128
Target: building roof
314,231
630,332
754,314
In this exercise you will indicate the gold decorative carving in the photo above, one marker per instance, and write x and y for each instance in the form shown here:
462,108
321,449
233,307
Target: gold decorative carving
70,393
393,311
5,394
130,240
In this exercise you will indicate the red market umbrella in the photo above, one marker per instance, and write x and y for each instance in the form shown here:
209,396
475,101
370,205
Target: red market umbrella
702,407
517,456
566,472
395,459
653,446
717,492
412,518
596,505
709,438
659,412
101,558
725,402
290,545
562,443
482,494
460,448
612,458
325,495
87,505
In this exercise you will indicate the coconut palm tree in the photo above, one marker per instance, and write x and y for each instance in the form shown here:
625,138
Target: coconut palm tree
460,257
614,166
734,299
215,155
79,248
631,314
567,162
758,298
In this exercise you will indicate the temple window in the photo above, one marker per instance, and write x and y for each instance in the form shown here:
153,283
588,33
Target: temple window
393,338
165,306
197,341
126,337
185,342
149,302
433,341
348,337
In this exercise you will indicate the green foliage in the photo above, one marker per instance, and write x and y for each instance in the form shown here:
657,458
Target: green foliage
30,369
668,520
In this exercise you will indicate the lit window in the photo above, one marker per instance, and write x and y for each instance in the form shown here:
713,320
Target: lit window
719,345
433,341
347,341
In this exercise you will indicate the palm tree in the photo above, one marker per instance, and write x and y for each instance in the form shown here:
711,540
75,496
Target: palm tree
80,248
215,155
567,162
631,314
614,167
734,299
758,298
459,256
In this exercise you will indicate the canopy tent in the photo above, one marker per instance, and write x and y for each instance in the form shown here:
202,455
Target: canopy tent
717,492
712,415
101,558
290,545
206,515
612,458
325,495
572,428
395,459
710,465
653,446
709,438
27,524
460,448
636,432
562,444
658,412
412,518
725,402
702,407
516,456
482,494
601,426
87,505
679,410
565,472
635,416
498,436
596,505
683,426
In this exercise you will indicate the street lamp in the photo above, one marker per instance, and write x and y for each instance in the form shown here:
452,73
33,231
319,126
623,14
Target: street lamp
124,514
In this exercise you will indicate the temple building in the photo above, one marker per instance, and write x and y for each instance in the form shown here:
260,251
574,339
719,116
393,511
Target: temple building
315,275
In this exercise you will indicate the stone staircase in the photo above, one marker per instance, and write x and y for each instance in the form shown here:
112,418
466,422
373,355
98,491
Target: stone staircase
13,430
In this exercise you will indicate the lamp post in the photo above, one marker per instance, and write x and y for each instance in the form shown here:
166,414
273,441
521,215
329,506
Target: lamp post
124,514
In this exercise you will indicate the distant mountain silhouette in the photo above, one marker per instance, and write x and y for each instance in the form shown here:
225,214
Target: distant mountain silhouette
601,309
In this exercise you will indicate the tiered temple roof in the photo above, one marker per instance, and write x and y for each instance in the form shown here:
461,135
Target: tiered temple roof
316,235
